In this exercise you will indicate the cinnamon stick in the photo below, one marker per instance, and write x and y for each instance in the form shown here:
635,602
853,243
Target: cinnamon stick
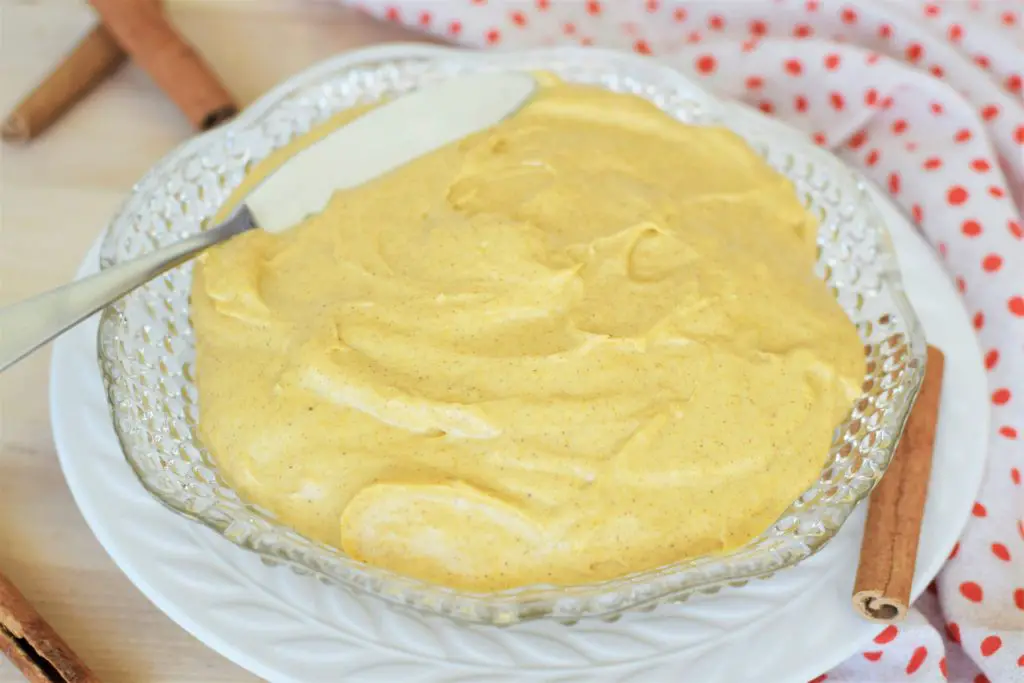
888,554
27,640
143,30
93,59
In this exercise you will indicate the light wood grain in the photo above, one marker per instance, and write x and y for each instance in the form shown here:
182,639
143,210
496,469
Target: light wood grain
56,194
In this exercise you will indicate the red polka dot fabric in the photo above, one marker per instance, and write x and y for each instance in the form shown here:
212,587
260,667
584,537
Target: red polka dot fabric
927,98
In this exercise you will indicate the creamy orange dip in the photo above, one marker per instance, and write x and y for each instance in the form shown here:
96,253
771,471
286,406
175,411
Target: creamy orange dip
583,343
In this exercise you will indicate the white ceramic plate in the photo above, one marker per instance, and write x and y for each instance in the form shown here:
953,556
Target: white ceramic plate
286,627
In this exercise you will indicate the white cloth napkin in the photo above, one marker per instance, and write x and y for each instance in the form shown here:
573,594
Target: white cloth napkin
926,98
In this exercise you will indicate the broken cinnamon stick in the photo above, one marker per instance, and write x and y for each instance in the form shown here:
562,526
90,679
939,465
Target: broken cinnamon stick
143,30
27,640
92,60
888,553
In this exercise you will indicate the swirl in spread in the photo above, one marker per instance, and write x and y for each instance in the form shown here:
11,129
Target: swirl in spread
585,342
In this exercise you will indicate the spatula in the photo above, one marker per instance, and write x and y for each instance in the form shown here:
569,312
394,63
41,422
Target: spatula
371,145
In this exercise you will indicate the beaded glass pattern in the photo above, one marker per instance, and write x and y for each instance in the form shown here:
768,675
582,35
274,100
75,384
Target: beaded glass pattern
146,346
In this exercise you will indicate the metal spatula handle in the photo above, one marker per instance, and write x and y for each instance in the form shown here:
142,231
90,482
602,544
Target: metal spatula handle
27,325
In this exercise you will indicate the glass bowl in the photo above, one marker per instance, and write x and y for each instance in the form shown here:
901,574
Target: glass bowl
146,345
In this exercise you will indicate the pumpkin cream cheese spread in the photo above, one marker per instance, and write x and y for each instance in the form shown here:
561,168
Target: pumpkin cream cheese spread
585,342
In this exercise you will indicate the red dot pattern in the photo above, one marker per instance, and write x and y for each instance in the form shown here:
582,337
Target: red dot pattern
863,87
991,645
970,228
972,591
917,659
956,195
887,635
706,64
1001,552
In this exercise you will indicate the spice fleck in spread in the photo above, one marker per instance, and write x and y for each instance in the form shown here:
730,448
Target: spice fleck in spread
585,342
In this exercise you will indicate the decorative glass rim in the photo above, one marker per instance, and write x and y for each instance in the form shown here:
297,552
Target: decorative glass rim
189,485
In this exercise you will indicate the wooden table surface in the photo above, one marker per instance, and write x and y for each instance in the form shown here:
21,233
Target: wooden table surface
56,194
